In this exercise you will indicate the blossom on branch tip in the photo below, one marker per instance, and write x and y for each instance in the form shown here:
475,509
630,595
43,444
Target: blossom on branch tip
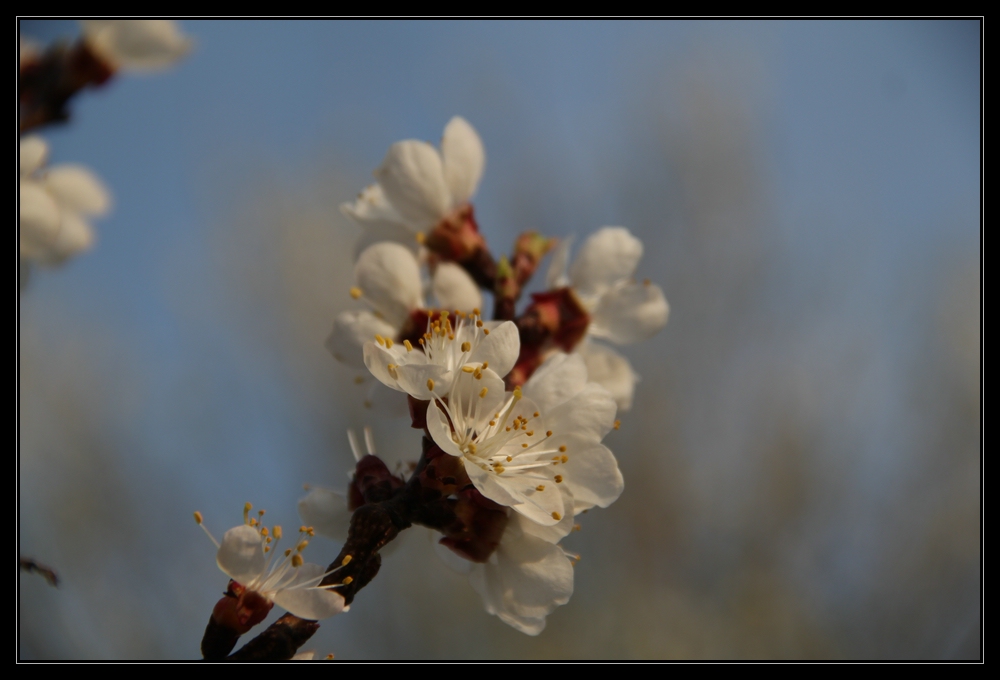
136,44
54,205
621,310
262,575
422,192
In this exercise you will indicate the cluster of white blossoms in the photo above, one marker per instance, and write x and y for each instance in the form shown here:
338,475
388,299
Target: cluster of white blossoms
533,449
136,44
55,204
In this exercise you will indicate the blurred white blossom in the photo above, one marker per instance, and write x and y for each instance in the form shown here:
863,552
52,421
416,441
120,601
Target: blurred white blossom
54,205
136,44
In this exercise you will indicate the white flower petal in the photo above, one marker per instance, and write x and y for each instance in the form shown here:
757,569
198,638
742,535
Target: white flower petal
528,579
440,430
500,348
39,221
556,532
413,379
326,512
455,289
351,330
556,277
464,159
558,378
137,44
610,370
412,178
591,472
389,278
241,554
74,237
378,360
588,413
78,189
606,257
309,602
488,485
630,312
33,153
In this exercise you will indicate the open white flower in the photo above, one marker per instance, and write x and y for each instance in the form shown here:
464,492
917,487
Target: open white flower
249,555
419,186
54,205
521,448
621,310
428,371
387,277
136,44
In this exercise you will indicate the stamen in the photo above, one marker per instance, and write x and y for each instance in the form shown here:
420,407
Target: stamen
198,518
485,365
548,433
347,581
408,345
297,560
475,311
246,512
468,369
347,560
466,346
556,516
277,532
482,392
379,339
421,237
558,479
576,527
486,331
430,384
618,424
479,323
388,343
564,459
355,292
562,449
540,487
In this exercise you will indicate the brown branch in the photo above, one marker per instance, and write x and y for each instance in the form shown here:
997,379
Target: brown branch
279,642
31,566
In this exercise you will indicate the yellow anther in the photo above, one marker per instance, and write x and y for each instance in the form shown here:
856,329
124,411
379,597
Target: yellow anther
391,370
468,369
618,424
430,384
576,527
479,323
507,429
264,531
540,487
531,433
260,513
198,518
301,546
486,331
498,469
509,458
408,345
329,657
355,292
421,237
517,393
347,581
485,365
266,548
482,393
564,459
268,539
297,560
535,414
253,521
562,449
478,375
558,479
276,531
311,531
556,516
548,433
524,446
347,560
246,512
472,447
466,346
358,379
288,552
420,340
379,339
451,336
388,343
475,310
492,422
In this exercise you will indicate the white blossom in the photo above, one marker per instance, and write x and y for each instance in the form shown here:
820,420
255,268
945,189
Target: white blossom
136,44
249,555
419,186
55,204
621,309
521,448
387,277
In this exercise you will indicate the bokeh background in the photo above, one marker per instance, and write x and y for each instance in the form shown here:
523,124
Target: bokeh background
802,464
